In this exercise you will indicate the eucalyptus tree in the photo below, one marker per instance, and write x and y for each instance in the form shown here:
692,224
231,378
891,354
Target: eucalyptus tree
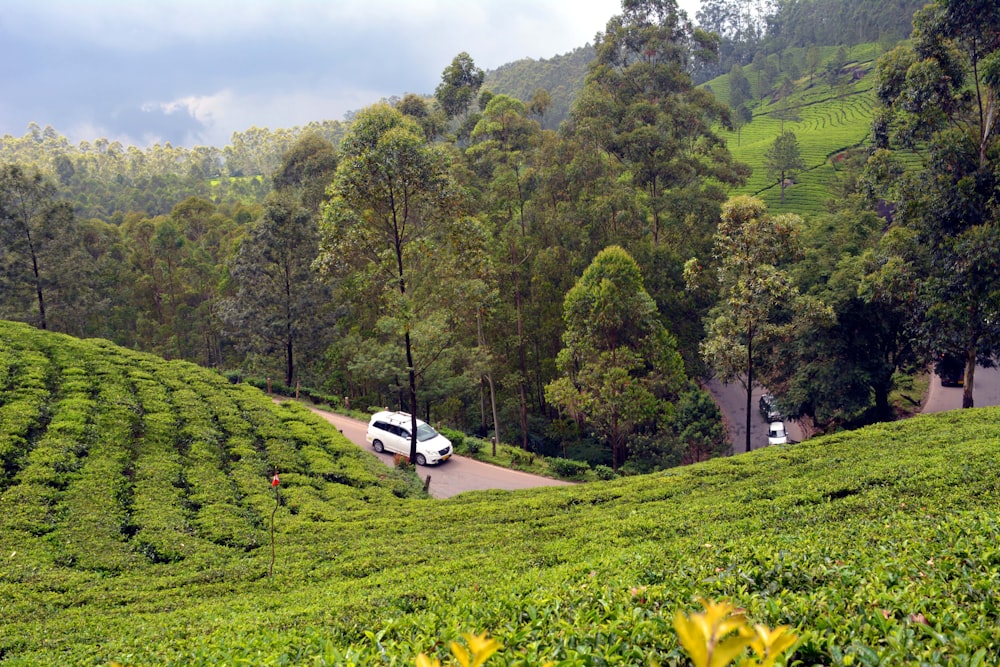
501,152
620,370
940,97
307,169
280,305
26,199
640,105
55,270
390,228
460,83
758,302
740,97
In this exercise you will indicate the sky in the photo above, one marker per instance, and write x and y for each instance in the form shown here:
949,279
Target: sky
192,72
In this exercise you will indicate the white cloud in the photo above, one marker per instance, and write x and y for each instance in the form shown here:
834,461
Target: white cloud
202,69
227,111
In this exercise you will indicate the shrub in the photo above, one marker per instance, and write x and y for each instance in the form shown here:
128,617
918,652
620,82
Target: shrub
604,472
568,468
519,457
457,437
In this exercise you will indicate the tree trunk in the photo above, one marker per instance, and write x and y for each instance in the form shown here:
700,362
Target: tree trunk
881,388
481,340
970,377
483,425
38,285
413,398
749,390
523,364
493,406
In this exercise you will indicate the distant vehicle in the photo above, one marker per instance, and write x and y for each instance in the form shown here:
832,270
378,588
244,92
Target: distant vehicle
390,432
951,370
776,433
768,409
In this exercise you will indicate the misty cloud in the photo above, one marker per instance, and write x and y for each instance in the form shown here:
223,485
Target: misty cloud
193,72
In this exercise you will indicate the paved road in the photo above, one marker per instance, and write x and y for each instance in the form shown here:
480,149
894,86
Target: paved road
732,401
452,477
985,391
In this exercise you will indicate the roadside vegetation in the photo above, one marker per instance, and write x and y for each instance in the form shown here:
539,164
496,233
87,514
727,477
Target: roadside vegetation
137,495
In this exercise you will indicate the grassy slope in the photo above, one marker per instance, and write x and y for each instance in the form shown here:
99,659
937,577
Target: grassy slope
830,121
135,506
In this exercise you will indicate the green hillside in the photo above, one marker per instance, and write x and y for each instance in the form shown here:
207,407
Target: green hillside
136,506
829,120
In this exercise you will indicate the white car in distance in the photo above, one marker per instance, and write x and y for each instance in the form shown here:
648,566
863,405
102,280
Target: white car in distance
776,433
390,432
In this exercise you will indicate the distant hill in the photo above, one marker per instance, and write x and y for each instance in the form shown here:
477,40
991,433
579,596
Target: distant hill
562,76
137,509
829,119
830,116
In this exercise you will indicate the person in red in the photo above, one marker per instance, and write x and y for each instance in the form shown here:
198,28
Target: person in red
274,480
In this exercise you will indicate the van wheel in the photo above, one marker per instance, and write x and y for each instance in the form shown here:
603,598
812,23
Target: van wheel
377,446
421,461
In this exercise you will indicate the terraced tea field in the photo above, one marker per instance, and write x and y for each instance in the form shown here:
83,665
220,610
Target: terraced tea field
136,528
828,122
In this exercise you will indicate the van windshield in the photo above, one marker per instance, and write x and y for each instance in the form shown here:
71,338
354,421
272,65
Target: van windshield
425,432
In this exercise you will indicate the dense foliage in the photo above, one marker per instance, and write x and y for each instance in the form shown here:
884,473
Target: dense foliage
560,76
104,179
135,493
644,162
758,33
940,98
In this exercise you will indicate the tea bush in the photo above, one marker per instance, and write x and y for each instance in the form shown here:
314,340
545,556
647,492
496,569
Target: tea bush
136,505
568,468
604,472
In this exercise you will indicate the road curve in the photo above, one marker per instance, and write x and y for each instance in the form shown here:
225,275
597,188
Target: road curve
457,475
985,392
732,401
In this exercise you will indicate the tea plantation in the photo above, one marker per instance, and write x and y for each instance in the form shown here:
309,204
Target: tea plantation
136,504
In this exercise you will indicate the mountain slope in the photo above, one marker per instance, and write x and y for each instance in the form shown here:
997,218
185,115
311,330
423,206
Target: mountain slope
136,507
828,121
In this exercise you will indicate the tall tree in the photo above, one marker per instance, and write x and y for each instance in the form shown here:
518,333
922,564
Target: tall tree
620,367
27,198
740,96
941,97
392,202
758,302
783,160
460,82
281,304
502,140
308,168
640,105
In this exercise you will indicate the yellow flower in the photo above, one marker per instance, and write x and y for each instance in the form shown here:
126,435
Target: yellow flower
713,638
482,649
424,661
769,644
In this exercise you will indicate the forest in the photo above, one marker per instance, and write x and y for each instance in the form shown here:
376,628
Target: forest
561,266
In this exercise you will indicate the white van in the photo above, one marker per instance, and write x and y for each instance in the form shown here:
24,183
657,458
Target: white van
390,432
776,433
